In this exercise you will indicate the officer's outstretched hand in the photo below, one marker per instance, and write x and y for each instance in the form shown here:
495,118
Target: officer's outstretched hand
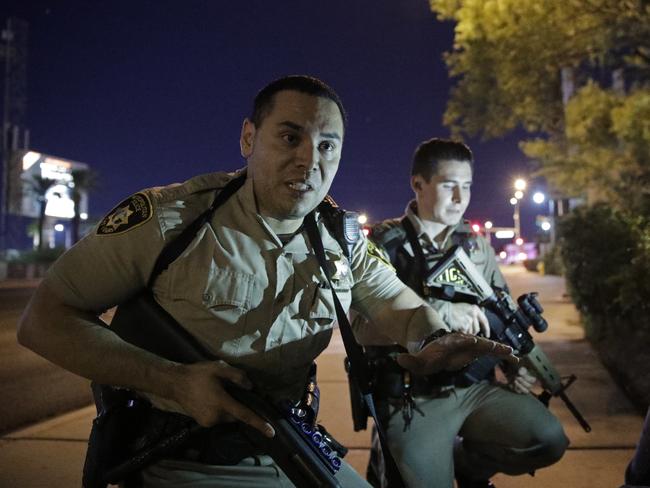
454,351
201,395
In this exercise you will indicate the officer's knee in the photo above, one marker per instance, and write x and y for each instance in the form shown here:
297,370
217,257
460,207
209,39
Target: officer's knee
552,442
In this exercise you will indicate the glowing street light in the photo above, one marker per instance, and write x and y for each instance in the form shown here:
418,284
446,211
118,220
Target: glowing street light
546,226
519,241
520,184
487,225
539,197
362,219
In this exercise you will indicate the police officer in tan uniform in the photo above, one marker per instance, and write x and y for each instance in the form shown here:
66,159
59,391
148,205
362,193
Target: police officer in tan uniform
502,428
248,287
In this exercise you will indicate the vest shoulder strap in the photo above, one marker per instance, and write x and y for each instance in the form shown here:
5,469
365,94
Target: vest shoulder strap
390,235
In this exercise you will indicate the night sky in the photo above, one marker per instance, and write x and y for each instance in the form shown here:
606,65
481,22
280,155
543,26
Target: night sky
152,92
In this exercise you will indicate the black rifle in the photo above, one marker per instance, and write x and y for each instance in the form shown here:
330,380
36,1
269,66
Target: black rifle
302,452
456,278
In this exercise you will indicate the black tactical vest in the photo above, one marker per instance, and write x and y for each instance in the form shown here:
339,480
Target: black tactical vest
393,236
390,380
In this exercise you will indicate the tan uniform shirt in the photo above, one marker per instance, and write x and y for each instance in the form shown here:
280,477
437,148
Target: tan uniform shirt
482,255
257,304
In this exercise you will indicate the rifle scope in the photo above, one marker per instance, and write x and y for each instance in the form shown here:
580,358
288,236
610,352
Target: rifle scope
533,311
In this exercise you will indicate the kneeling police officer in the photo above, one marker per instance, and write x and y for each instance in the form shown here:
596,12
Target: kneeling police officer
443,425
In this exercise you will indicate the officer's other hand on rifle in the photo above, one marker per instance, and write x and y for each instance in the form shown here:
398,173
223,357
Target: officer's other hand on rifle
454,351
200,393
521,380
468,318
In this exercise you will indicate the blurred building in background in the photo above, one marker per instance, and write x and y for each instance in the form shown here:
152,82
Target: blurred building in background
43,187
41,205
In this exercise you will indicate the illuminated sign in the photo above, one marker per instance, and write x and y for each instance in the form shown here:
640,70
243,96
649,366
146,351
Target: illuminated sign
59,203
504,234
53,170
29,159
38,166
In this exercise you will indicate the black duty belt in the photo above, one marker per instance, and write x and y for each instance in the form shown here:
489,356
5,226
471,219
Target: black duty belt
223,444
390,380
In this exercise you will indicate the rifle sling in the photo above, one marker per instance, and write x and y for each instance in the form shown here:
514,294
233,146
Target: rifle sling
356,356
412,237
175,248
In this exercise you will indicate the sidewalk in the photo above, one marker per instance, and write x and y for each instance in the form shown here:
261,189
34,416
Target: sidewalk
10,283
51,453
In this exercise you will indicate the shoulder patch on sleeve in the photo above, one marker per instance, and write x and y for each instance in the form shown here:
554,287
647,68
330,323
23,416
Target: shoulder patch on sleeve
377,254
129,214
385,231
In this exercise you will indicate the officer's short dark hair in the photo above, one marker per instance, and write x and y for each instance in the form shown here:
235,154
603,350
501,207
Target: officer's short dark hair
263,103
429,154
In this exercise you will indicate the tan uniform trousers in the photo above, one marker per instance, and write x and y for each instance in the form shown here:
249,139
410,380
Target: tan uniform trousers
501,431
251,472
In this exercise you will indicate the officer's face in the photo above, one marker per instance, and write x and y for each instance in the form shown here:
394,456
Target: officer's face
444,198
294,154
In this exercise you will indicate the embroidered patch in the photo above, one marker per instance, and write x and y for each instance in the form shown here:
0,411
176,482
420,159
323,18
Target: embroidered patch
131,213
376,253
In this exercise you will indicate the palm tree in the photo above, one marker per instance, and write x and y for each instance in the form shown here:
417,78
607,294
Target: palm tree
39,186
84,180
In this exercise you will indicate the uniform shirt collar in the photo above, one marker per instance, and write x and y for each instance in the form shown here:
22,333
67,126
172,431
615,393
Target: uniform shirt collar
299,243
246,197
412,215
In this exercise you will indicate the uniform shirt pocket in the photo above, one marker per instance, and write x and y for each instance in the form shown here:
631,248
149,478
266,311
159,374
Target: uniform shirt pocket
222,293
321,311
228,290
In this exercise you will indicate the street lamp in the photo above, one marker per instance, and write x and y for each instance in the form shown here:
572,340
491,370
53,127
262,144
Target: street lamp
520,186
539,197
488,230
